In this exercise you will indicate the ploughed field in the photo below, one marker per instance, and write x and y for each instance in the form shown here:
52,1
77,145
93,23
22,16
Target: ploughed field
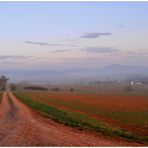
124,116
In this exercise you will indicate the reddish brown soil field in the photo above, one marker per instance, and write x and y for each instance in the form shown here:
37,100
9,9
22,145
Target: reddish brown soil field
126,111
110,102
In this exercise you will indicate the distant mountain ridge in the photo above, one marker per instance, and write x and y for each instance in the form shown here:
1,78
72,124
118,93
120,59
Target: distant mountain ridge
113,71
124,69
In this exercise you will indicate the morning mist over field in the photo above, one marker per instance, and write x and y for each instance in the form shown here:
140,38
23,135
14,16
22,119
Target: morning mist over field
73,40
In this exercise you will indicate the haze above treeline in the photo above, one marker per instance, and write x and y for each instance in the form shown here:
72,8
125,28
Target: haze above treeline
110,72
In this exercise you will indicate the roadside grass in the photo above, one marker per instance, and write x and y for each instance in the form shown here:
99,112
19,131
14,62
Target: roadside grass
78,120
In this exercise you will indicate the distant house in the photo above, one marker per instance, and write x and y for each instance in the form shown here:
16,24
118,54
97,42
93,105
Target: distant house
138,83
132,83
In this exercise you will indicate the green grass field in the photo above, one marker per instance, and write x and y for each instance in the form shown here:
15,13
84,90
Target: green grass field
78,120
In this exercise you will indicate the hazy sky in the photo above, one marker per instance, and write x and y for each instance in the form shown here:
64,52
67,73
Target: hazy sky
57,35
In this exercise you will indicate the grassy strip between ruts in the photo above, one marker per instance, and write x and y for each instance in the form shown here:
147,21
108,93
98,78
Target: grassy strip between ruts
74,119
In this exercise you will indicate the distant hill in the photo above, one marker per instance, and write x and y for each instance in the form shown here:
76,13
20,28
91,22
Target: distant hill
124,68
110,71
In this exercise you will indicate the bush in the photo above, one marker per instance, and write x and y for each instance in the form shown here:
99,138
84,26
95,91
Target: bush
35,88
55,89
71,89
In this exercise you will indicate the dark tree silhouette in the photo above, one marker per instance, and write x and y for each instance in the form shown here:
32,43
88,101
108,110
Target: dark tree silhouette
71,89
3,82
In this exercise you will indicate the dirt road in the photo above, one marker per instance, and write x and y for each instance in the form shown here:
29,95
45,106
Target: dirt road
20,126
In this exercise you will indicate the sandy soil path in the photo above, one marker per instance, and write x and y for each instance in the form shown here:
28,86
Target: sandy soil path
20,126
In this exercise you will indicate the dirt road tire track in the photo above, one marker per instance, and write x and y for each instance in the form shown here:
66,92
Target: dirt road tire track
20,126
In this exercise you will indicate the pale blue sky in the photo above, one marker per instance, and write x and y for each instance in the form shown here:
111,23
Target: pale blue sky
38,35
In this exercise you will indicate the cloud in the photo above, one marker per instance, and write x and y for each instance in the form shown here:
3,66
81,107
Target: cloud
64,50
37,43
120,26
7,57
55,44
43,43
71,40
95,35
138,52
100,50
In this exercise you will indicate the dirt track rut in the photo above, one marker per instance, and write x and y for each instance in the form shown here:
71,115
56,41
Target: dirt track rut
20,126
